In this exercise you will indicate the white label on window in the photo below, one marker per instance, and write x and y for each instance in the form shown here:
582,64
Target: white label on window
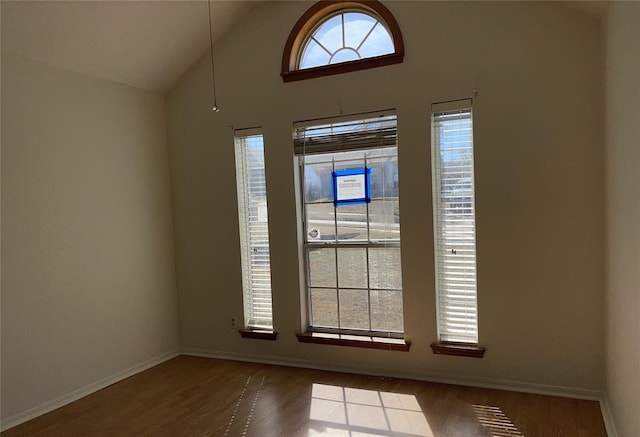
350,187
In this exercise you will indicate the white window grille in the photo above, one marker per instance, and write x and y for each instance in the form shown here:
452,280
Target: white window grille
346,36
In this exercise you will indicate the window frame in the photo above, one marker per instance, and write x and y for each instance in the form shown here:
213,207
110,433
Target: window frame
447,342
368,244
251,328
324,10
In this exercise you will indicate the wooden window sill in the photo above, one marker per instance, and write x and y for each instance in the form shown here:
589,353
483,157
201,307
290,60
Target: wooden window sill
260,334
392,344
459,350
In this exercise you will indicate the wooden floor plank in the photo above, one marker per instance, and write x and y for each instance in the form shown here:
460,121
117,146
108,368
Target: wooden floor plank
191,396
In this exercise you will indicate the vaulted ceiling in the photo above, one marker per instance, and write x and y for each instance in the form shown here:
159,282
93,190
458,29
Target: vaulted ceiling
144,44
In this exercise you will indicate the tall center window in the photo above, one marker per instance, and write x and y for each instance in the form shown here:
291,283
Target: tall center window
351,224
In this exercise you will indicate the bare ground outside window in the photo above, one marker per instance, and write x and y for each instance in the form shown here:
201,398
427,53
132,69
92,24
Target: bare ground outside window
352,287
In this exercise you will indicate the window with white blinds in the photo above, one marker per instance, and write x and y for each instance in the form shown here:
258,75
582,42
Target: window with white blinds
454,222
351,246
254,229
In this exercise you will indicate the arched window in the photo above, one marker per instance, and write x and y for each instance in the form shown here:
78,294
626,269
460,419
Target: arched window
346,36
335,37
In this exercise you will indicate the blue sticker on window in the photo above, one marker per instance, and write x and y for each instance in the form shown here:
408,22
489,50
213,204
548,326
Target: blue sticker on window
351,186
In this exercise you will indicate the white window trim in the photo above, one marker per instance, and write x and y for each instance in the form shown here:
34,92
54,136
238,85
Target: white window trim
457,309
299,147
254,232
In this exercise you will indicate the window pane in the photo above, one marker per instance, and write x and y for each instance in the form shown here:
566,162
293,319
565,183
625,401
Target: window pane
382,152
384,220
354,309
352,222
324,307
342,163
356,27
322,267
318,182
386,311
321,224
384,177
378,43
356,156
314,55
352,268
319,158
329,34
344,55
384,268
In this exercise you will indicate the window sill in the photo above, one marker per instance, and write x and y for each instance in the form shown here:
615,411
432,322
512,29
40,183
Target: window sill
392,344
459,350
260,334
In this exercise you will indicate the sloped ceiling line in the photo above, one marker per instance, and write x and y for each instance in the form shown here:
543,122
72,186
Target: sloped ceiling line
144,44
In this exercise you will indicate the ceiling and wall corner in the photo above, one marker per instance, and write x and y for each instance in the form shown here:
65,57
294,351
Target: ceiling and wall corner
143,44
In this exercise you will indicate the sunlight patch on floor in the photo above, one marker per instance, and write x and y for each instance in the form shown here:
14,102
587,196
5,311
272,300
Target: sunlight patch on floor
352,412
495,421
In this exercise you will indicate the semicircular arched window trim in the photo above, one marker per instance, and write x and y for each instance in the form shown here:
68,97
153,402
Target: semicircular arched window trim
317,17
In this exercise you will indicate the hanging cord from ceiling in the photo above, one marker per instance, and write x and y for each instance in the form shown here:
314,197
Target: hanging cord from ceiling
213,71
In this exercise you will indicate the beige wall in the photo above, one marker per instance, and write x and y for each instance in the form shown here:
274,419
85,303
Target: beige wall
538,138
623,216
88,283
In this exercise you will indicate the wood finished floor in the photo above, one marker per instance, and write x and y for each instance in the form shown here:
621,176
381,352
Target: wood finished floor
190,396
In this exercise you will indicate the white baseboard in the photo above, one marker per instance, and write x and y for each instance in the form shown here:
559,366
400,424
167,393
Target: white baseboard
63,400
550,390
609,424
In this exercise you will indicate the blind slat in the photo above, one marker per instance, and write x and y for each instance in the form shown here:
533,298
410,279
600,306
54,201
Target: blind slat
370,133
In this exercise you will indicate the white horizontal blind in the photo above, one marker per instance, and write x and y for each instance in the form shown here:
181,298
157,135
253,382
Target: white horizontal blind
454,222
342,134
254,230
